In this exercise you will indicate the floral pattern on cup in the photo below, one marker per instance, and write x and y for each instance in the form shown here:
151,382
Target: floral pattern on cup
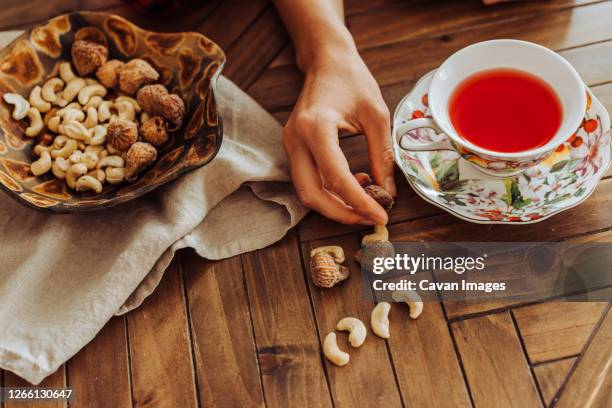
558,182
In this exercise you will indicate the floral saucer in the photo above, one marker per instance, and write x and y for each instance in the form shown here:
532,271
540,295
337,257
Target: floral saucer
560,182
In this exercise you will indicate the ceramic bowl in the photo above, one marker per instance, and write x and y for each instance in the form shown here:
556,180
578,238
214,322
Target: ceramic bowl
188,63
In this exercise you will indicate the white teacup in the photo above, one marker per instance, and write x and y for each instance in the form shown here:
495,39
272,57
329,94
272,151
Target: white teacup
510,54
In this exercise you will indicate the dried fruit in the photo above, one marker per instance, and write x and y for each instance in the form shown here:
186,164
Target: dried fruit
87,56
366,255
108,74
135,74
325,271
381,196
140,156
121,134
155,100
363,179
154,131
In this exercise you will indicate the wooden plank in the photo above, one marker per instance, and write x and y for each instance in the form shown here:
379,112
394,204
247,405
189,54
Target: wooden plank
19,14
590,62
565,29
425,360
404,62
256,48
225,31
352,384
554,330
285,331
100,372
403,22
496,369
222,333
56,380
590,384
550,376
160,350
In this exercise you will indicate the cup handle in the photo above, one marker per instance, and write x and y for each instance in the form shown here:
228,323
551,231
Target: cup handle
419,147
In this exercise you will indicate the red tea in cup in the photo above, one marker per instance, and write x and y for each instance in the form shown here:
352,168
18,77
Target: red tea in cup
505,110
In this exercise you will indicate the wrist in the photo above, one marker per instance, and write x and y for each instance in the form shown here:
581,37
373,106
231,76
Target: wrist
324,48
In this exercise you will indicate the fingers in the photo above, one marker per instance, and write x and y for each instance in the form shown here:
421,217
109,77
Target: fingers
377,130
335,170
307,182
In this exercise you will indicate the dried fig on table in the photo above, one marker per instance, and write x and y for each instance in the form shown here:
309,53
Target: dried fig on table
88,56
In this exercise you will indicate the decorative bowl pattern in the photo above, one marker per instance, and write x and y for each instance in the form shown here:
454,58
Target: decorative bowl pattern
189,65
563,180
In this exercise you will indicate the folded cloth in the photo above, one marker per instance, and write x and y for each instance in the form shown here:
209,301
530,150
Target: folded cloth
62,277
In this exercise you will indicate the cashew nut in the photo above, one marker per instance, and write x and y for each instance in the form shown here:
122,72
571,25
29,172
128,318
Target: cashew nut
37,101
59,167
94,149
125,110
380,320
99,135
20,105
412,299
60,141
91,81
380,235
42,165
72,89
94,102
70,106
90,160
65,72
51,88
104,112
115,175
356,328
76,130
129,99
98,174
336,252
57,172
66,150
111,161
89,183
73,114
91,90
92,118
74,172
332,352
144,116
75,157
36,123
39,148
54,124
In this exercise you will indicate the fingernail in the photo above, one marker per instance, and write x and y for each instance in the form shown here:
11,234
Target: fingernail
389,185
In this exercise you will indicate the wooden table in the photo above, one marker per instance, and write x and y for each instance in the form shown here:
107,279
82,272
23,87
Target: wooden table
246,331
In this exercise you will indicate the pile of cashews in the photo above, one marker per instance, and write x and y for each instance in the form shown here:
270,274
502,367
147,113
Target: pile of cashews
75,111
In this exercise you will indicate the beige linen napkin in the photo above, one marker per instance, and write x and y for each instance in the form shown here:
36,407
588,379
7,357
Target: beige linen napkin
62,277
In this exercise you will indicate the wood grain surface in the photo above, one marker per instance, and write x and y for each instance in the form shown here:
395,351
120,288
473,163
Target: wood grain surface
247,331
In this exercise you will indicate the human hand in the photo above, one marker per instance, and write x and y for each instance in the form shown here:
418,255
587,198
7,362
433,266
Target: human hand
339,92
